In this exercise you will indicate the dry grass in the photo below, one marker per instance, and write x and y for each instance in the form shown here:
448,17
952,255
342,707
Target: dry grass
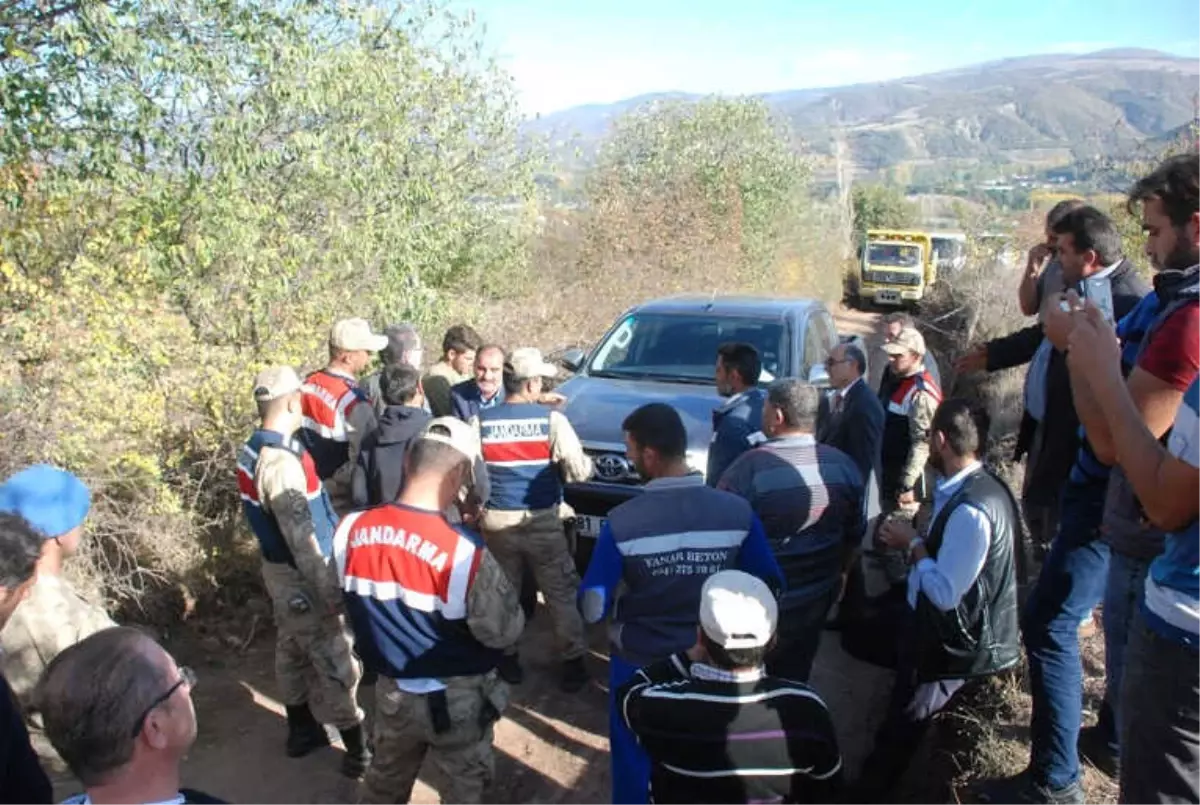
581,280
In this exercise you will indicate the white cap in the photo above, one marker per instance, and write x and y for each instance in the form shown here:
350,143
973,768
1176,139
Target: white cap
459,435
737,610
275,382
527,362
354,335
909,340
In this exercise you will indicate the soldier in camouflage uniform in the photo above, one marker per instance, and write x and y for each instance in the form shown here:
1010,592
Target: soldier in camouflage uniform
530,450
908,415
54,616
289,511
437,635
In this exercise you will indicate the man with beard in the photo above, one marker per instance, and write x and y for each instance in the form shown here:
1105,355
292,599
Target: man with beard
1159,701
1167,364
961,621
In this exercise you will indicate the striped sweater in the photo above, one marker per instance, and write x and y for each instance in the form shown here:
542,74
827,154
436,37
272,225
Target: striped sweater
719,736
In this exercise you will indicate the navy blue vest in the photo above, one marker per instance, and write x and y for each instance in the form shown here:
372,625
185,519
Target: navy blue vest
406,577
517,451
262,522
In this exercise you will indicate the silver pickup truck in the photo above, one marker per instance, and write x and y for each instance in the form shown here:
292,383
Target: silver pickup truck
665,351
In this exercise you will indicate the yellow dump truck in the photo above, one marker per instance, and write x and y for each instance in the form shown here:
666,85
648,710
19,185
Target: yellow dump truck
897,267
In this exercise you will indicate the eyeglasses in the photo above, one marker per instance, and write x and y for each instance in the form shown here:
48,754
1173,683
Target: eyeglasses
186,677
832,362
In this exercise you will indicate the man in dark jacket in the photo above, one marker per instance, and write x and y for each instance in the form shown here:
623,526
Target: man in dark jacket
1041,281
379,471
961,624
737,423
485,390
1073,578
853,418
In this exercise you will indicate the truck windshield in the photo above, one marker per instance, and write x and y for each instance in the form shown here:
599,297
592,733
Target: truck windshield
683,348
894,254
948,249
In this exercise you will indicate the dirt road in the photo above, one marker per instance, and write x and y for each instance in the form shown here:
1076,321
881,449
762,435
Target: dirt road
550,747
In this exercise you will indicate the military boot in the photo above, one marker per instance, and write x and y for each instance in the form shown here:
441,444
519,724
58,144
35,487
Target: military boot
305,733
358,756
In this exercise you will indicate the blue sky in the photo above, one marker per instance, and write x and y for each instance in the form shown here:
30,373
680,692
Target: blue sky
568,52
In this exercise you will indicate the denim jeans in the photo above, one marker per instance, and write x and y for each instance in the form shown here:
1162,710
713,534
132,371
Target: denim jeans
1160,729
629,762
1122,596
1070,585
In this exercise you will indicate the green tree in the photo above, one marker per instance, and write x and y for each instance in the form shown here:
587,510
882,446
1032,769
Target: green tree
878,206
197,188
679,179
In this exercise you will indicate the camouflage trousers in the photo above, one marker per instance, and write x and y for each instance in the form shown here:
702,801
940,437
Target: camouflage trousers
313,652
405,736
537,537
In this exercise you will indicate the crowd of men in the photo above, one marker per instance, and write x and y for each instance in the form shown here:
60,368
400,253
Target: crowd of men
403,517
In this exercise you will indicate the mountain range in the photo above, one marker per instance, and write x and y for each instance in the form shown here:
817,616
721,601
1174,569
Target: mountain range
1033,110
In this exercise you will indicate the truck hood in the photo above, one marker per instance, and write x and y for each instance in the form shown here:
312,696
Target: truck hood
596,407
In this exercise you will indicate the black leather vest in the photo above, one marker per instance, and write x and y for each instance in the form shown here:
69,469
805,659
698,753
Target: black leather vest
981,635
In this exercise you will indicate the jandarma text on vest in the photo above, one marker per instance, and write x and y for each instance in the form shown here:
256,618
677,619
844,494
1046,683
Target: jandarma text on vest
413,543
515,429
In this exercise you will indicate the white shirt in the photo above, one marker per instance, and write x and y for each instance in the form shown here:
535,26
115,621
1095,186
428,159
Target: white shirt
965,542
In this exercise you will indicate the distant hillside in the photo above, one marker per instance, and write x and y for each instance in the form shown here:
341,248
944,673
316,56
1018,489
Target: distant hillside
1031,110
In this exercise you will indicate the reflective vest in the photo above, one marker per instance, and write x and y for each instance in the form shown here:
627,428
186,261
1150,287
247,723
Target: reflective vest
897,436
517,452
326,401
406,575
262,522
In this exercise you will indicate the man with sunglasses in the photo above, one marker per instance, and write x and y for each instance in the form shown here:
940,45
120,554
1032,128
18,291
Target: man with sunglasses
119,710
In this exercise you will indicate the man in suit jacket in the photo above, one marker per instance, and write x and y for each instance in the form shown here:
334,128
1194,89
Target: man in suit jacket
485,390
852,418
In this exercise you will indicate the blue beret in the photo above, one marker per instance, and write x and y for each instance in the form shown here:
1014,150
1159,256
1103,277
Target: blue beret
51,500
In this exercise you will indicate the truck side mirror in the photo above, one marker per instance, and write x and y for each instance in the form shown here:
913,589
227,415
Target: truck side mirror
573,359
818,375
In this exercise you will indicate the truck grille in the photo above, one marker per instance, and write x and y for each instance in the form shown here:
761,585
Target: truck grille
892,278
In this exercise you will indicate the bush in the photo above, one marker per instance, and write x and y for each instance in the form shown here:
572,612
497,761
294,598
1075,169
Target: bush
282,167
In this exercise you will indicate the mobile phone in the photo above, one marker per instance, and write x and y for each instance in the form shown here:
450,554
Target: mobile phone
1099,293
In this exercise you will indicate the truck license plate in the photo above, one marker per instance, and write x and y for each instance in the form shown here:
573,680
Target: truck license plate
587,525
887,297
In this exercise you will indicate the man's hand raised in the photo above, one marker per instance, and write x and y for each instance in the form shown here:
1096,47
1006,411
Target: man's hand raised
1094,349
973,361
1058,320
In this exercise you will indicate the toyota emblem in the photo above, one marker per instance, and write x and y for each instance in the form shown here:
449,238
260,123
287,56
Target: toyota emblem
611,467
